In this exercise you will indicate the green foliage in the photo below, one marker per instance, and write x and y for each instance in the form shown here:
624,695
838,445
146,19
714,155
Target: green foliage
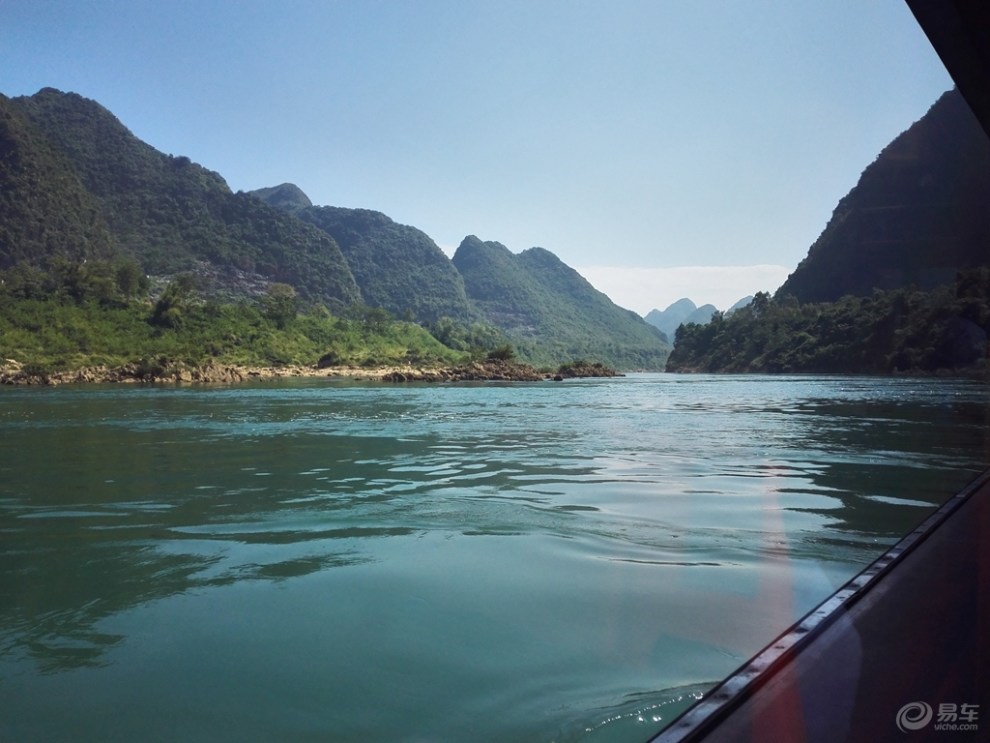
477,338
287,196
130,279
25,281
44,209
57,331
80,281
280,304
370,319
171,307
902,330
502,353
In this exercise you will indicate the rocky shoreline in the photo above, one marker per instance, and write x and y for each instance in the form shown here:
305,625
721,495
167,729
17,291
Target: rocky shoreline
165,371
13,373
497,370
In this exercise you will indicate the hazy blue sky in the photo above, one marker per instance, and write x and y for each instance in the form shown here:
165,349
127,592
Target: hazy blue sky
645,142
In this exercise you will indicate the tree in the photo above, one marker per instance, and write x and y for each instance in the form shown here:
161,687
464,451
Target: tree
129,277
24,281
372,319
502,353
171,306
760,304
280,304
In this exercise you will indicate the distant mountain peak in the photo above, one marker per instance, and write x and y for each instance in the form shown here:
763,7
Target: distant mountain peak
287,196
744,302
677,313
684,305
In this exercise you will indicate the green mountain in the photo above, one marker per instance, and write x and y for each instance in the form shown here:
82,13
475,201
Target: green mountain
546,309
168,213
550,312
919,213
397,267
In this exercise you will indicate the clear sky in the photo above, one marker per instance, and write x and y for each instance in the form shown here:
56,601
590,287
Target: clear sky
664,148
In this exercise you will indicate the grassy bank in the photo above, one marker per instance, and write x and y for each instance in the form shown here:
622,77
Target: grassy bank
52,334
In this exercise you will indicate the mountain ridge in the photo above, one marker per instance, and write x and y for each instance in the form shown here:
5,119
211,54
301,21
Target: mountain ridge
918,213
685,311
110,195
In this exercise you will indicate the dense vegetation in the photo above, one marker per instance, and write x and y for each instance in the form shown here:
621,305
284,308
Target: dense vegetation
920,213
901,330
397,267
44,209
550,312
167,213
99,313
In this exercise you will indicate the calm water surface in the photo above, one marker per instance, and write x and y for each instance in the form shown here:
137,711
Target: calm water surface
316,560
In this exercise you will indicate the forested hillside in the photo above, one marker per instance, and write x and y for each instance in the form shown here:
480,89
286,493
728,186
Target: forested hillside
919,213
396,267
94,218
167,213
549,311
286,196
98,314
44,208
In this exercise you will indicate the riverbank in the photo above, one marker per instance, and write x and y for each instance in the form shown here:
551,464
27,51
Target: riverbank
164,371
12,373
498,370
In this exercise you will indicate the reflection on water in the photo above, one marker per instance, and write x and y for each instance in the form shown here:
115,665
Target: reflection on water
541,562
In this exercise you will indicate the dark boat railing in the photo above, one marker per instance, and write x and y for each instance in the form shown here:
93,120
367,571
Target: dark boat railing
695,723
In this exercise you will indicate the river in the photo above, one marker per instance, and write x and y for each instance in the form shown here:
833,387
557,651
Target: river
330,560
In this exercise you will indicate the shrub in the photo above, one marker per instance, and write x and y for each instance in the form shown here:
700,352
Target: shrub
502,353
330,358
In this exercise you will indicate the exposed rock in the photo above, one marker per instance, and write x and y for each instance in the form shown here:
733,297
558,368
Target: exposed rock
498,370
490,370
164,370
161,370
585,369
